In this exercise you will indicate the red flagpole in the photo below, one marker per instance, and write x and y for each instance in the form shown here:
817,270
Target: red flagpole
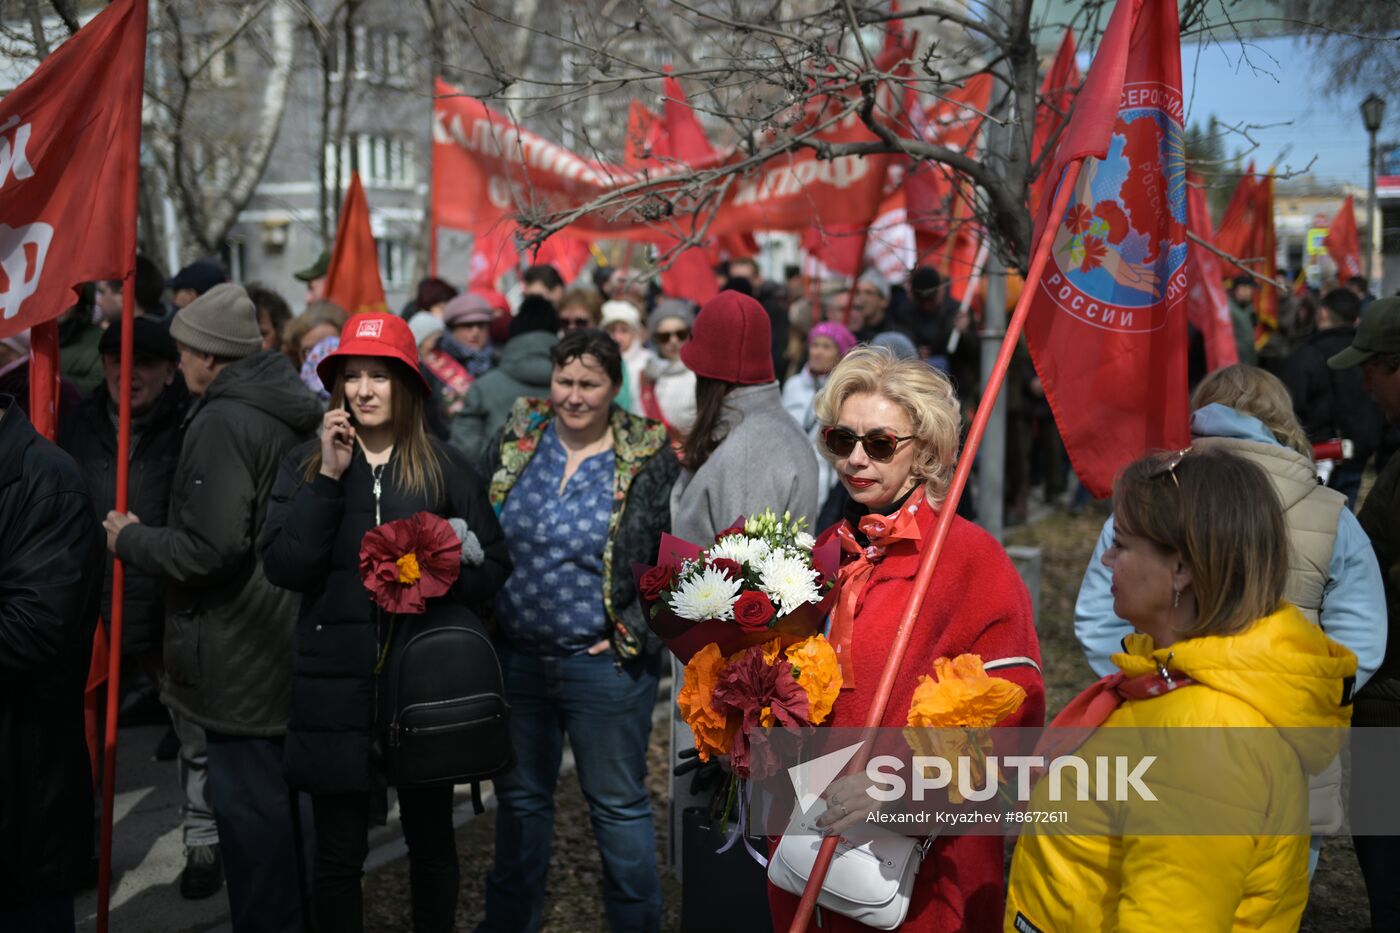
945,520
114,639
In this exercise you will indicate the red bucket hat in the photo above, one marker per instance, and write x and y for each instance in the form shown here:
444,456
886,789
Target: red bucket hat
374,334
732,341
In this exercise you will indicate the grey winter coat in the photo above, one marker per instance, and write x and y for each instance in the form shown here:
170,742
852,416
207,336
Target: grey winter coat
523,372
765,461
228,631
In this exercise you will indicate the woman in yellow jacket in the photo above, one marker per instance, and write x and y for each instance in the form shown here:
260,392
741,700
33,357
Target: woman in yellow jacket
1199,561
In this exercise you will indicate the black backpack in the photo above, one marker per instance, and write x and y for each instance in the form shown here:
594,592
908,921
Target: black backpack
445,714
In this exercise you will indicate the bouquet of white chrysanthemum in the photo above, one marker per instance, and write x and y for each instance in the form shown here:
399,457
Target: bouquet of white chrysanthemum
763,577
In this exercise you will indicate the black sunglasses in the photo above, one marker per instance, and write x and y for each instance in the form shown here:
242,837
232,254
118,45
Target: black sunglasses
879,445
666,336
573,323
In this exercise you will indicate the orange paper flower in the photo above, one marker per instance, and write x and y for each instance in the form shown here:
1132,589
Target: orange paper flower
962,695
817,671
408,568
714,733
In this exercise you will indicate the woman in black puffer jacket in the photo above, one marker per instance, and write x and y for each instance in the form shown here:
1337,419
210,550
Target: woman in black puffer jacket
375,466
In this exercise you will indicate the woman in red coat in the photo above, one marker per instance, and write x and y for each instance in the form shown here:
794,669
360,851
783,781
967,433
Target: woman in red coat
891,429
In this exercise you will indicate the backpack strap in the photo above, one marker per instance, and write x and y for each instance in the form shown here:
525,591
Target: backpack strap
477,807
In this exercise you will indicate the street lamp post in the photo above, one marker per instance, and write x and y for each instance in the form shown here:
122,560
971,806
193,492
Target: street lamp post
1372,115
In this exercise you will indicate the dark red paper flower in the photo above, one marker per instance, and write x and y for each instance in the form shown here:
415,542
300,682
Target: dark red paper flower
1094,252
405,563
753,610
735,529
763,695
730,568
657,580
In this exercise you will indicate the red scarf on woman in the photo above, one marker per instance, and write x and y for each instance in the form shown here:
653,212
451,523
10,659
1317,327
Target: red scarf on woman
882,531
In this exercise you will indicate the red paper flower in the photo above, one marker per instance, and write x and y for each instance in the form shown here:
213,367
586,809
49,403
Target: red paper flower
657,580
730,568
753,610
762,695
1078,218
1094,252
405,563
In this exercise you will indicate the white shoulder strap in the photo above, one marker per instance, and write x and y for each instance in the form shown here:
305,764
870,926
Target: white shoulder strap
1010,662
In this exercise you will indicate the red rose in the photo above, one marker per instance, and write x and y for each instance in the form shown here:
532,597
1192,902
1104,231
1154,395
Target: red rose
735,529
730,568
657,580
753,610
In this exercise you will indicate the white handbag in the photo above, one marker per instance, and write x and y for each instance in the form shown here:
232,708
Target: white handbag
871,877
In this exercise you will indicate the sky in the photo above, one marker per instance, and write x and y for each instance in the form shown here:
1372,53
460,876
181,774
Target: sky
1283,81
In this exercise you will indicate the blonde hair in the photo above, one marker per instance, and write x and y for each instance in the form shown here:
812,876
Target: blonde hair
924,393
1252,391
1221,514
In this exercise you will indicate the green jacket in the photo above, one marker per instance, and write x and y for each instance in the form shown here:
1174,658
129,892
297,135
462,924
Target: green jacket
523,372
646,470
1378,703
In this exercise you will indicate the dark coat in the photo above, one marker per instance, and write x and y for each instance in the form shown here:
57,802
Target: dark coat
50,582
1378,703
228,631
646,470
90,435
1332,403
311,544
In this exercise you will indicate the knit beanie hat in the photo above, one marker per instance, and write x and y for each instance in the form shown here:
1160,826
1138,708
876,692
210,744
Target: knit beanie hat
424,325
836,332
536,313
731,341
670,309
221,322
900,345
620,312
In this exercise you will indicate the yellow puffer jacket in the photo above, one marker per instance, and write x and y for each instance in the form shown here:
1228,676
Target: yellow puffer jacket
1282,672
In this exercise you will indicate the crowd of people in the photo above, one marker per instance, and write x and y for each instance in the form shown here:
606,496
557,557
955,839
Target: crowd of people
560,436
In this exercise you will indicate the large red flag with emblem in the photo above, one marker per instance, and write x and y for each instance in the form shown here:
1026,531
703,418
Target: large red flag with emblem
70,142
1107,327
352,281
1342,243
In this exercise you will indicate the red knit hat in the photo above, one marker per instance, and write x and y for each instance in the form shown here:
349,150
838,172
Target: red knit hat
732,341
374,334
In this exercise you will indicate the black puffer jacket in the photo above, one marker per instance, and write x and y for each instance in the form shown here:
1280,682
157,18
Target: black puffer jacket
91,437
50,579
228,631
311,544
1329,402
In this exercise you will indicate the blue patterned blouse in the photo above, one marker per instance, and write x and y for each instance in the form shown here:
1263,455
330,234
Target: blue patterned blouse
552,604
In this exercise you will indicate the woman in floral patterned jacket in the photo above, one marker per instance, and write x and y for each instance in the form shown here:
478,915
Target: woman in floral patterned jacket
583,490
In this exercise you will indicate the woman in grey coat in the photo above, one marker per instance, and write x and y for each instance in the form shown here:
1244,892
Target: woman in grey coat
744,454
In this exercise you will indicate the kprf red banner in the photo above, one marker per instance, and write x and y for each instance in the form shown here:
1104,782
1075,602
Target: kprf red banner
487,168
352,280
1107,327
1207,308
1342,243
70,140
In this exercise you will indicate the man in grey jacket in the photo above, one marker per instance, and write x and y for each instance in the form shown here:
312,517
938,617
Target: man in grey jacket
228,636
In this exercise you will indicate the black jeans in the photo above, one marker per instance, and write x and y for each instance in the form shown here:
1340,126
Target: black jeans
342,842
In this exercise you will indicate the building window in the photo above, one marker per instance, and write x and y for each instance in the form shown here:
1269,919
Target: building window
222,65
384,161
393,262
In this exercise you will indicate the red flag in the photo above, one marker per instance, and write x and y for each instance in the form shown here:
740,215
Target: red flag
69,168
1266,295
494,253
1207,308
352,281
642,127
1235,233
1057,92
567,254
1107,326
1342,243
690,274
